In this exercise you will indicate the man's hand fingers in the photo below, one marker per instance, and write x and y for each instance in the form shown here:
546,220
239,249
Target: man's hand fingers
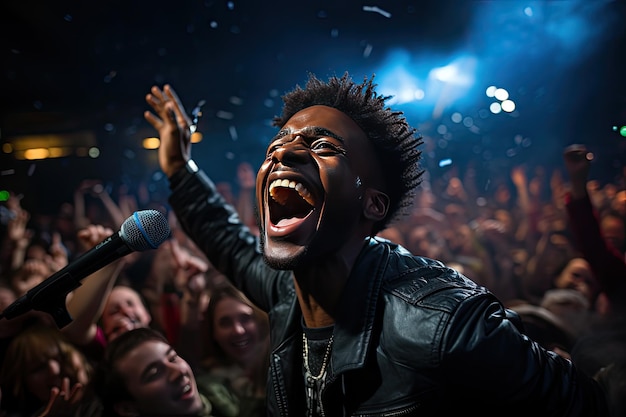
178,107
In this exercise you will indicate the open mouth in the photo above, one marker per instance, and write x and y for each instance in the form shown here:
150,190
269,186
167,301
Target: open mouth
185,392
241,344
290,201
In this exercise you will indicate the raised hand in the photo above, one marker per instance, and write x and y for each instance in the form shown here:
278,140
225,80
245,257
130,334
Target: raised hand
577,163
92,235
58,257
173,125
62,399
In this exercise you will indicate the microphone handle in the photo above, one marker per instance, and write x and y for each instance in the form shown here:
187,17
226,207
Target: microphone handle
50,294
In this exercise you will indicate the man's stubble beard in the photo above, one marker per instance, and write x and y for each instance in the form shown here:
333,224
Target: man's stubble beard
288,264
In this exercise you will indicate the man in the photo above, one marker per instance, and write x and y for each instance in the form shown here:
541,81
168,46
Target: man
359,326
142,375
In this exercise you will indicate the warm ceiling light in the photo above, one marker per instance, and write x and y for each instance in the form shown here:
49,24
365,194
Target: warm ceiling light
151,143
36,153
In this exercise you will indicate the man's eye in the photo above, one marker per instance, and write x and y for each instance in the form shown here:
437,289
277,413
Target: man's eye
152,373
326,146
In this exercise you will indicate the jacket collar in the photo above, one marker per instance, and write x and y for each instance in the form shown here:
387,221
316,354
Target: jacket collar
357,315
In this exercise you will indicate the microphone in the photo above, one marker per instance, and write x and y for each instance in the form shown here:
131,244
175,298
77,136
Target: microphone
143,230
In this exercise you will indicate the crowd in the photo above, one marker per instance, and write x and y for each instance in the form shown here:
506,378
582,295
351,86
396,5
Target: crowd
164,331
216,339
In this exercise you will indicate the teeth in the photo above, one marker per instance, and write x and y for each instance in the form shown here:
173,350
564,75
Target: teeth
301,189
186,388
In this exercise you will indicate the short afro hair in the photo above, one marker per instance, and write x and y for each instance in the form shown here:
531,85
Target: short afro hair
396,143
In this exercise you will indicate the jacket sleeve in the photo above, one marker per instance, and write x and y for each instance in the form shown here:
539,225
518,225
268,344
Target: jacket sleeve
216,229
488,358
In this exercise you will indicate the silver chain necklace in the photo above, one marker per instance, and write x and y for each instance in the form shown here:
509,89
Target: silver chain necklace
312,382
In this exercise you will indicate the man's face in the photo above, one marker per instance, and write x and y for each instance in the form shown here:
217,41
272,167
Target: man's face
577,275
160,381
309,187
123,311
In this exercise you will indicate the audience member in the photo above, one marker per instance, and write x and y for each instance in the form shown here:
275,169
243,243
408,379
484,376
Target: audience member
606,260
603,349
236,348
141,374
43,374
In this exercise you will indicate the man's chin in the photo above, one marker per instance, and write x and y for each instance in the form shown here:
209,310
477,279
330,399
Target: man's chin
283,257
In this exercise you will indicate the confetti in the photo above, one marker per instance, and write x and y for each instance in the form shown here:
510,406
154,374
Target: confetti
376,9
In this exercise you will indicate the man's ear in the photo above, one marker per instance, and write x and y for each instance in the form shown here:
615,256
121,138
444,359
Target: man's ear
375,204
126,409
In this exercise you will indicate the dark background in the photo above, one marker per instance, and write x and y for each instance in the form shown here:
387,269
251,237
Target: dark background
69,67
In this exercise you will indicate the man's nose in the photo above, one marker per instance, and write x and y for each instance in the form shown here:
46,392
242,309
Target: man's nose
293,151
175,370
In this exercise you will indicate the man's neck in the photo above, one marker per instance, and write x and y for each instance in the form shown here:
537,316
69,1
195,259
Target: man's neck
319,286
318,289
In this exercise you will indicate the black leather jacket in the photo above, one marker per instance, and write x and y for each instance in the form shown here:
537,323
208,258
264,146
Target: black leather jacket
412,336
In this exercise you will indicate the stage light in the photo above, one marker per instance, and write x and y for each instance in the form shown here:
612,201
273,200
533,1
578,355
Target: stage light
508,106
501,94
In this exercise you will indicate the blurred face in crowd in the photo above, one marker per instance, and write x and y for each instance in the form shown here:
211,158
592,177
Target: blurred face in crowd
577,275
502,195
236,330
124,310
619,203
505,219
30,274
39,359
44,373
426,242
613,230
160,382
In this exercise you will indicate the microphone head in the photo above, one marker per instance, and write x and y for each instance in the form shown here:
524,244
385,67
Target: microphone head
145,229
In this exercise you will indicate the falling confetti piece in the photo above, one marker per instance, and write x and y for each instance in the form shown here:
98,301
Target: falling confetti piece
376,9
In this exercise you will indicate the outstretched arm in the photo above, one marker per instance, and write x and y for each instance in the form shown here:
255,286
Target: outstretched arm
606,261
85,303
